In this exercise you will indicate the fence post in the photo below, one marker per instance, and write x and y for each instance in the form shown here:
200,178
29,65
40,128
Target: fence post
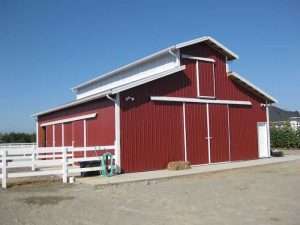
65,165
4,171
33,158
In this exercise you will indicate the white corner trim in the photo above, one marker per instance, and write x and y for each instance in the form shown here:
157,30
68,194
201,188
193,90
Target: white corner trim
198,58
196,100
71,119
242,79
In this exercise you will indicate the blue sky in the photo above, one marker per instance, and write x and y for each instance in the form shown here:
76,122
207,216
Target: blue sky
47,47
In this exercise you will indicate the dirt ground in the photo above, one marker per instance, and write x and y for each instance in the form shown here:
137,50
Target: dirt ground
257,195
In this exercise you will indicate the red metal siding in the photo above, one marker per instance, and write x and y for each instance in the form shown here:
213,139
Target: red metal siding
68,134
196,133
151,134
58,135
100,131
99,128
219,133
206,79
49,136
243,130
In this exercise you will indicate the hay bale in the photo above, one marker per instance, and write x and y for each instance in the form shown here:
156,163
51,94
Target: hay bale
179,165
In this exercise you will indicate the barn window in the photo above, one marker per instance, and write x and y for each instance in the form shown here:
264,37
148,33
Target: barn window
205,74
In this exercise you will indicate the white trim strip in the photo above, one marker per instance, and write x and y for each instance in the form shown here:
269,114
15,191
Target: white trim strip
229,134
184,132
198,58
197,78
208,133
196,100
84,137
71,119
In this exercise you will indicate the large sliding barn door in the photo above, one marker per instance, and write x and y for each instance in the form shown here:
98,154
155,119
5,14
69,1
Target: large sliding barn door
219,133
207,133
196,133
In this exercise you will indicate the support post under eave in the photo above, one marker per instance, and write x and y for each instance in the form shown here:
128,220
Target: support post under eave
117,132
268,128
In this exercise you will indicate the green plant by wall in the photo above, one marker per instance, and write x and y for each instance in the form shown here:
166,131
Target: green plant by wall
285,137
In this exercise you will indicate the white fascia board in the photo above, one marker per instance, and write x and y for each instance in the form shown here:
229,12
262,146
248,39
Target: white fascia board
136,83
242,79
122,68
73,103
207,38
198,58
71,119
197,100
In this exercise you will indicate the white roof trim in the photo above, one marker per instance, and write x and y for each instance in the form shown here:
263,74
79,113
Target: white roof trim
73,103
156,54
136,83
248,83
197,100
76,118
207,38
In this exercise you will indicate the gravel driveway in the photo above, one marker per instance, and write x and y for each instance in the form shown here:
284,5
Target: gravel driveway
257,195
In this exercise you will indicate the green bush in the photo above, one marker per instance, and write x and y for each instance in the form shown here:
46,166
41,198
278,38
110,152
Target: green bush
285,137
14,137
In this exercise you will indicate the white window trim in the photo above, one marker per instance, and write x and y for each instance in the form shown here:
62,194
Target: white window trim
198,81
71,119
208,60
197,100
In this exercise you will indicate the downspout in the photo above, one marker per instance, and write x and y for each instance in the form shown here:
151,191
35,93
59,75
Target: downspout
176,55
117,143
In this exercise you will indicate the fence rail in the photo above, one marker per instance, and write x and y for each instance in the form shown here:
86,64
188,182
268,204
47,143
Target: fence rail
50,161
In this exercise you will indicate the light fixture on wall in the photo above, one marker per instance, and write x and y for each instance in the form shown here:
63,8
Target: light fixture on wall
129,98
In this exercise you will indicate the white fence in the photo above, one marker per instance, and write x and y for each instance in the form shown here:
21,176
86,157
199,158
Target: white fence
47,161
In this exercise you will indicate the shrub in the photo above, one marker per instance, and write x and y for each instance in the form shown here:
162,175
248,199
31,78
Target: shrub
285,137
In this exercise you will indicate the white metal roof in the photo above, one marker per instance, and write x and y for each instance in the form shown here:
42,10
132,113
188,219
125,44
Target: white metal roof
244,81
114,90
207,39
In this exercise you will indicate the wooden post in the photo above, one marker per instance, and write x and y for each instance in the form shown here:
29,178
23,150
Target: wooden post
4,171
33,158
65,165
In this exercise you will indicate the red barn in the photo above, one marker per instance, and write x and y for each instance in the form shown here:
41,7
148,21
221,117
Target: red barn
180,103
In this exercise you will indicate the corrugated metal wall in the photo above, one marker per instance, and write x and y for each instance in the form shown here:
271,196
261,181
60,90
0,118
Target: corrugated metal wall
151,135
196,133
49,136
100,130
58,135
149,129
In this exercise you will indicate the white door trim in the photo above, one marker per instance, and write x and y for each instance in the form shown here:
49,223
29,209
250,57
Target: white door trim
184,131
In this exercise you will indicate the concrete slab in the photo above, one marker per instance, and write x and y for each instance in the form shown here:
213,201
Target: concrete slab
166,174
